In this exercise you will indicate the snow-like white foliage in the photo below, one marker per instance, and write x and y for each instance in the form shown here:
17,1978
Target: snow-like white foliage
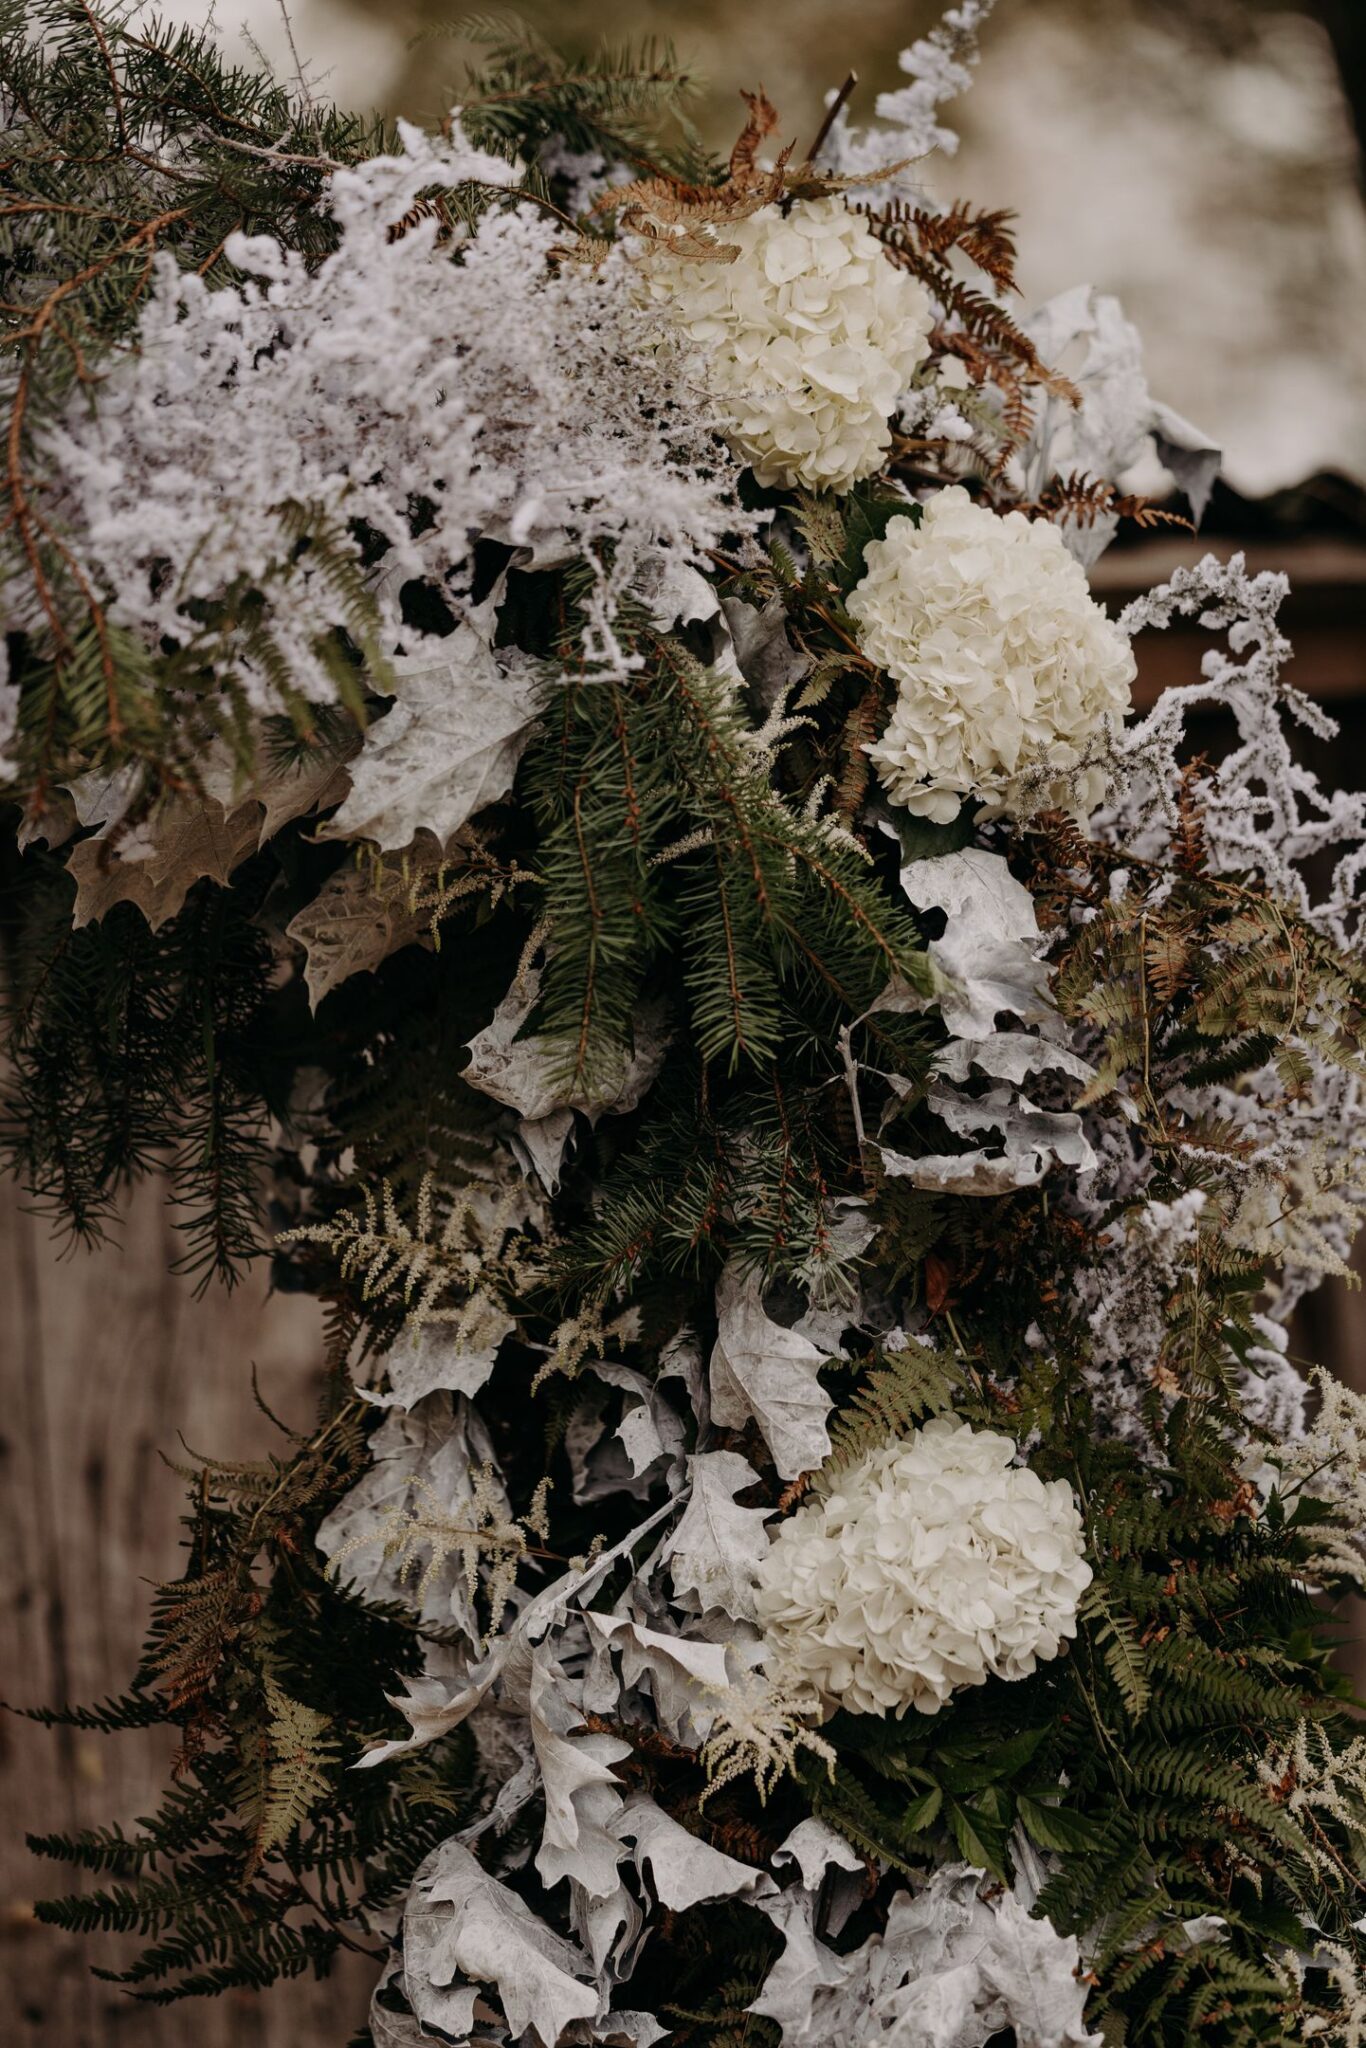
810,336
1007,666
1123,1297
927,1564
954,1969
940,67
397,373
1262,810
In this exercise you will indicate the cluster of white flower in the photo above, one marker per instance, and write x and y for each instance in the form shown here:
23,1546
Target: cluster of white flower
928,1564
811,337
1008,667
505,395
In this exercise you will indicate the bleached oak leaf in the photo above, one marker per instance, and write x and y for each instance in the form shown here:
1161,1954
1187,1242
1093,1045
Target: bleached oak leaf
527,1073
463,1929
978,1172
422,1457
1109,431
608,1928
1034,1972
799,1985
629,1459
985,961
1189,454
1009,1056
686,1676
352,926
539,1145
434,1706
1028,1141
429,1358
715,1550
814,1847
761,1369
205,834
685,1870
1031,1138
827,1867
975,886
449,746
629,2030
390,2029
676,593
583,1796
651,1427
764,655
951,1970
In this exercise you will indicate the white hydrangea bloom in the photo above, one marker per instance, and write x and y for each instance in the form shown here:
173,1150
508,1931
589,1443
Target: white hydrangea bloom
811,336
1007,665
930,1563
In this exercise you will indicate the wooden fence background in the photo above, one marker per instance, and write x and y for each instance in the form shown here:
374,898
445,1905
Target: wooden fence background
107,1364
107,1367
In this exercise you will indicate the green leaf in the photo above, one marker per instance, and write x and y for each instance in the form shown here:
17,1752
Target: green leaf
1001,1760
977,1839
922,1811
867,515
922,839
1056,1827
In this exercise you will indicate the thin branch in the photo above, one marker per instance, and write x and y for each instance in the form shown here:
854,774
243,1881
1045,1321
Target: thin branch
832,113
111,73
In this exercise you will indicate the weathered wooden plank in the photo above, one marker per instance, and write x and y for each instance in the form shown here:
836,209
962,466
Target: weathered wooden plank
107,1363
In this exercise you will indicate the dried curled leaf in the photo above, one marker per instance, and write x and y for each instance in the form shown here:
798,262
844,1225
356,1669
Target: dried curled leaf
205,833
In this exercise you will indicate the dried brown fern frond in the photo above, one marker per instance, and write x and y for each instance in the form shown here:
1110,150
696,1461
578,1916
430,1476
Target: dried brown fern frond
198,1619
860,728
431,206
1084,499
967,311
984,234
763,119
664,209
1189,842
988,365
590,250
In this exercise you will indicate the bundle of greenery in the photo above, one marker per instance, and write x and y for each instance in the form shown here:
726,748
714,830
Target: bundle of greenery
568,786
